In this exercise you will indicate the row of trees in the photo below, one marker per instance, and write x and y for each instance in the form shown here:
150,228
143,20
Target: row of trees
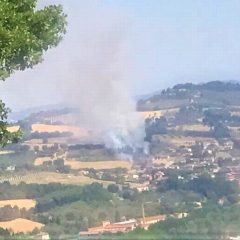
8,213
154,126
69,194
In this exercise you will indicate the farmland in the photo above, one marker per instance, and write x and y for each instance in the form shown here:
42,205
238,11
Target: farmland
40,160
50,177
98,165
21,225
158,113
74,164
56,168
77,131
182,140
193,127
13,128
20,203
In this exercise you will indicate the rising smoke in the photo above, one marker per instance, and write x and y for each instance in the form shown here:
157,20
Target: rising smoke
97,80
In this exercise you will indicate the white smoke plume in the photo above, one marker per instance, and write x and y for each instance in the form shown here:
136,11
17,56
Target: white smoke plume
96,78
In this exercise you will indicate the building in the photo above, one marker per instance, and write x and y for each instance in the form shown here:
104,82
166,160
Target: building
11,168
145,222
122,227
108,227
143,187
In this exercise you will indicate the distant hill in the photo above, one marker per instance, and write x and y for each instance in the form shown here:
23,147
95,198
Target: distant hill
22,114
214,94
217,86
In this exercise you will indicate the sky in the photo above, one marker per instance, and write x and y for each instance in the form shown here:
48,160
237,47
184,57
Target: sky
162,43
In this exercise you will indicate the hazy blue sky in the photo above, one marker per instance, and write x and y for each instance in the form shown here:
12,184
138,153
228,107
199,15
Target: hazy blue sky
166,41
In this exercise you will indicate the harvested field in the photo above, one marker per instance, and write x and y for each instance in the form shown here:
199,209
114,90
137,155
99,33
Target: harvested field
158,113
151,114
13,128
60,140
193,127
40,160
77,131
34,141
164,160
20,203
49,177
183,141
98,164
21,225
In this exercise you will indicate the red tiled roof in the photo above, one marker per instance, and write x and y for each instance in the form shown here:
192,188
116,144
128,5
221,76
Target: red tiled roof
153,218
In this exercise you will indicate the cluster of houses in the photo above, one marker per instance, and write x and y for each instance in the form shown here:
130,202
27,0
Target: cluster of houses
196,158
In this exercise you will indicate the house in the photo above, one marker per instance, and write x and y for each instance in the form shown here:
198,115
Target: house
147,221
228,145
11,168
158,175
180,215
142,188
108,227
135,176
197,204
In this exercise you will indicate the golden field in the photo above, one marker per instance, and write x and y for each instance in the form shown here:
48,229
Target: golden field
193,127
77,131
13,128
21,225
180,141
20,203
40,160
98,165
158,113
51,177
164,160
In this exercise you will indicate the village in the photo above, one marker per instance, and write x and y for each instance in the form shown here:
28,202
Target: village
193,158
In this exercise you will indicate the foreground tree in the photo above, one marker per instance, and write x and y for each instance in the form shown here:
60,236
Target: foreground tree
25,34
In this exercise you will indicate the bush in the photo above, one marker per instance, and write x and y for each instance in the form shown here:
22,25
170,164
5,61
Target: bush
113,188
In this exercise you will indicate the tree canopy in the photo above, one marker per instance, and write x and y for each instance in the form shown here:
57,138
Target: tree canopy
25,34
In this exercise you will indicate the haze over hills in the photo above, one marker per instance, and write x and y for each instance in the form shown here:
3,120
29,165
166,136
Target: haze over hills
204,88
19,115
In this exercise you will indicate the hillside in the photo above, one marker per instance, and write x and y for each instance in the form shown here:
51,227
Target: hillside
214,94
73,184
